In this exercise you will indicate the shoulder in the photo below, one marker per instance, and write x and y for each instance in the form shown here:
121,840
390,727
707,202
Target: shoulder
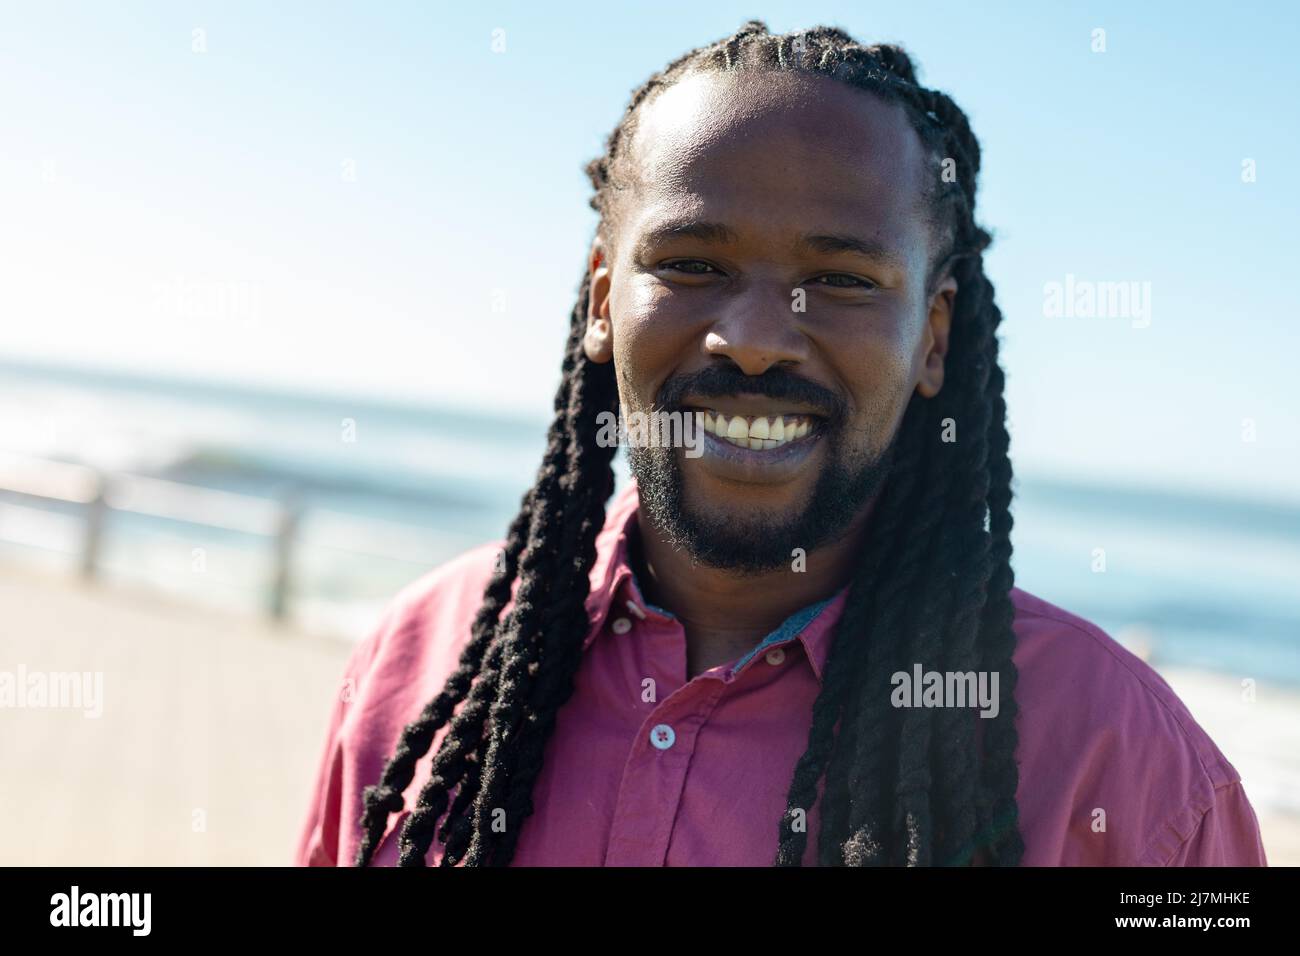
416,643
390,675
432,614
1114,768
445,594
1070,667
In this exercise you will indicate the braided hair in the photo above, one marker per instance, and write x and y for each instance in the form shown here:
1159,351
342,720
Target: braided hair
903,786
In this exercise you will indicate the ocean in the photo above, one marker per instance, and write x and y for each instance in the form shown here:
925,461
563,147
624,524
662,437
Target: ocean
390,490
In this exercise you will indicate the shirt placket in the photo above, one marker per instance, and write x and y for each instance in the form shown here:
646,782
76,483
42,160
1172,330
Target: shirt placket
654,776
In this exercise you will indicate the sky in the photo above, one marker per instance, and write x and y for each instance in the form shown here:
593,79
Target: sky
370,199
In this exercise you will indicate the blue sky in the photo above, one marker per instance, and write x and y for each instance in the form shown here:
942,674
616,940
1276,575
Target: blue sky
328,196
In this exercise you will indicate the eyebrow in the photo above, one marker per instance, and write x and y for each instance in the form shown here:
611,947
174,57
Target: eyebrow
721,234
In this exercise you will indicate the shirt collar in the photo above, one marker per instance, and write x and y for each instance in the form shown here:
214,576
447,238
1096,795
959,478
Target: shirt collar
613,588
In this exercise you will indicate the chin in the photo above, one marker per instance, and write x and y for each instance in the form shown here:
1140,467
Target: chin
720,504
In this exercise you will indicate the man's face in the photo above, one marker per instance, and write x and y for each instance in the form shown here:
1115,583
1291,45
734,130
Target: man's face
797,319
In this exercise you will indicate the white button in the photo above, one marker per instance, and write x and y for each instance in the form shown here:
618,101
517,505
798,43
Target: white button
662,736
621,625
775,656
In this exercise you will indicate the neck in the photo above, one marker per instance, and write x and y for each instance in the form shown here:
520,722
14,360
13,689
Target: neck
726,614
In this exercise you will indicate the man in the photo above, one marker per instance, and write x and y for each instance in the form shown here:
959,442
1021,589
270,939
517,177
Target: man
800,642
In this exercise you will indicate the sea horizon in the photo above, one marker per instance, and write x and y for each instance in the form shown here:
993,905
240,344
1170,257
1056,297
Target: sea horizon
392,489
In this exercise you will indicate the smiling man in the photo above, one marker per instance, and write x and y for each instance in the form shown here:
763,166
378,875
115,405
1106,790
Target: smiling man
707,670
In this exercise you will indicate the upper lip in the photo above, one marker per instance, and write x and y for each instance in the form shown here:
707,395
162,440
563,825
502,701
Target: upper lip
751,406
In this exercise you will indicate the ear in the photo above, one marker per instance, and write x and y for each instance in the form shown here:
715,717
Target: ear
598,342
934,341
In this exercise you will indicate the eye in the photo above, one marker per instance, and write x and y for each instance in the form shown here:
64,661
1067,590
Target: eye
683,266
853,282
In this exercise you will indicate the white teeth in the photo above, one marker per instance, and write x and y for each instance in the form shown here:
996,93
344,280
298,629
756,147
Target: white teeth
760,433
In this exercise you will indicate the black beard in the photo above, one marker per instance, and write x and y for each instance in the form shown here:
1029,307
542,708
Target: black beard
762,542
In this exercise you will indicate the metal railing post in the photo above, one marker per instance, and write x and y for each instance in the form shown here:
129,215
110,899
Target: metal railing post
92,541
286,534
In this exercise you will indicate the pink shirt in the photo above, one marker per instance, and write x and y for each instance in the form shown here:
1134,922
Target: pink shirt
699,774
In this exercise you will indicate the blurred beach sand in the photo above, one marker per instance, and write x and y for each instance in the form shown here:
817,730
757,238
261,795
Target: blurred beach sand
213,723
208,718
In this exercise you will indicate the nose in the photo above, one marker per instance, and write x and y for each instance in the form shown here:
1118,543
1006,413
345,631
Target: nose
757,330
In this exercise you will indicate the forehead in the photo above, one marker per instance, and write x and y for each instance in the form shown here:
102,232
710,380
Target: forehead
779,150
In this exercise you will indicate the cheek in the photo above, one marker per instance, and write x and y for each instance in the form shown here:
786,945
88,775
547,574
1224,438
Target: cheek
650,340
634,306
878,366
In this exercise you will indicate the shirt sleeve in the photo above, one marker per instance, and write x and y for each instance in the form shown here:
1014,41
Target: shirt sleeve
318,838
1228,834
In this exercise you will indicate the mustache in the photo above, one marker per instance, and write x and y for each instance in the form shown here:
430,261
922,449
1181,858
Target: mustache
723,381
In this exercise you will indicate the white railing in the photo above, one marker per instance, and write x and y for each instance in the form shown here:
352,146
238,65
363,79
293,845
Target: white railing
98,492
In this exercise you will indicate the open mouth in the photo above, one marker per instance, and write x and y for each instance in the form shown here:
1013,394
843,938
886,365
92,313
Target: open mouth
761,432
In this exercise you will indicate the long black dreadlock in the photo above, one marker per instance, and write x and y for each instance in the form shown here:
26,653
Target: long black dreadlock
916,786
